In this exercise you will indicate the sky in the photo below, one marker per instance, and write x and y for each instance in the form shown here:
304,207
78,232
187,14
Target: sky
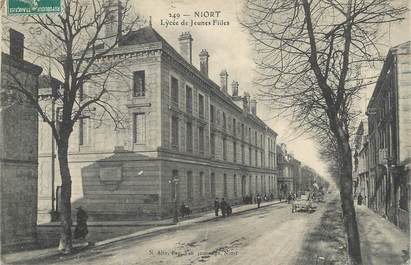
229,48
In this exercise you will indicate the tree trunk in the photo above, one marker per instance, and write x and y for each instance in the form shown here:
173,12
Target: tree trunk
65,209
346,195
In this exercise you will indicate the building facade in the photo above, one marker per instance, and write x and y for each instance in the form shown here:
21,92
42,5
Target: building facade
285,170
18,147
185,139
389,146
362,184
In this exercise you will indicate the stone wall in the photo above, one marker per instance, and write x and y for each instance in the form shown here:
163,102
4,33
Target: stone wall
18,153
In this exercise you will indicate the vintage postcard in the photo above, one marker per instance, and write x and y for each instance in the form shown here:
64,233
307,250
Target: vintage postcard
205,132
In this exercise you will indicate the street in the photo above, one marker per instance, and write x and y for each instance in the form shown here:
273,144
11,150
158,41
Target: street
269,235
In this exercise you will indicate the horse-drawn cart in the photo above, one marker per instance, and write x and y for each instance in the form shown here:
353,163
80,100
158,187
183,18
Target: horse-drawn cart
302,204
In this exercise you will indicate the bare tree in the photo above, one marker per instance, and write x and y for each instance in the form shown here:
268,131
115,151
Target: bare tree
79,39
312,58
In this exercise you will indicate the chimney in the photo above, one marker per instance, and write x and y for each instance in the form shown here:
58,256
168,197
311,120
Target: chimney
253,107
246,102
234,88
113,26
186,46
204,62
16,44
224,81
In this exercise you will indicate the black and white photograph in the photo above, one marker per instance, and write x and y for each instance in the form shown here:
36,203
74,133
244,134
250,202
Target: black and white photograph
188,132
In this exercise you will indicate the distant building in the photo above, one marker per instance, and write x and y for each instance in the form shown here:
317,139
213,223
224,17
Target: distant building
185,139
18,147
285,170
389,144
308,176
361,179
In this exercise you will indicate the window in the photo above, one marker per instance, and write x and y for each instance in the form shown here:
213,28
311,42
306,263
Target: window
201,105
174,132
261,141
201,184
234,151
189,185
250,156
212,114
139,86
212,184
225,185
256,184
249,185
242,130
242,154
234,126
249,134
212,144
189,137
256,157
139,128
262,159
235,185
224,148
84,131
201,139
224,122
255,138
189,99
174,92
262,185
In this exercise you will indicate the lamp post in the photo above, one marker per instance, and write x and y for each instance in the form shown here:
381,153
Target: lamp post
174,182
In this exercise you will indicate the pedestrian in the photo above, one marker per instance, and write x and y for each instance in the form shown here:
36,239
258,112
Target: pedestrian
224,207
289,198
81,230
258,200
229,209
359,199
216,206
184,210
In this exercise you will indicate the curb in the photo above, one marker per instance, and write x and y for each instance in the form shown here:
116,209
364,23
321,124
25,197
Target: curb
167,228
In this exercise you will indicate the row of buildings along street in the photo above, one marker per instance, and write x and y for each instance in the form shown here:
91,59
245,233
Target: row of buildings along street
382,141
186,140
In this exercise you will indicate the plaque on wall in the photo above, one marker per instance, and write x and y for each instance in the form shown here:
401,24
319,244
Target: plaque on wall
111,176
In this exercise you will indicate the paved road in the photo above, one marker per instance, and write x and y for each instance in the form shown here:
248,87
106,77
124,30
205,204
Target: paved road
270,235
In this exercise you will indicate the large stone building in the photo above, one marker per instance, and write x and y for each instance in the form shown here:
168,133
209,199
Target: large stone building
184,139
389,145
18,147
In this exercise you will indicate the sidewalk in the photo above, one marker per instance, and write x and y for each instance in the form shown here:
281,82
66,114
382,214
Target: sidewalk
142,231
381,241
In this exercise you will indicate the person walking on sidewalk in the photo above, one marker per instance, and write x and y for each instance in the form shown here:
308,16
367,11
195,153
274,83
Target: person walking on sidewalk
359,199
81,230
216,206
258,200
224,207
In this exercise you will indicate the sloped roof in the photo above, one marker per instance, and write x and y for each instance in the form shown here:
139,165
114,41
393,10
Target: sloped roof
141,36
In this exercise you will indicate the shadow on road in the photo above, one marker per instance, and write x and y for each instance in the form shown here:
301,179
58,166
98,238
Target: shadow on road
326,243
